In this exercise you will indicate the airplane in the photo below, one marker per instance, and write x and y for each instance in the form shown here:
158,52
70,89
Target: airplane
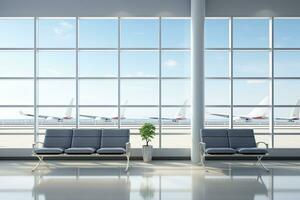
107,119
294,116
262,113
256,113
67,116
181,115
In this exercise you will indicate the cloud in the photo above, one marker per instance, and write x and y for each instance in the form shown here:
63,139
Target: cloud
171,63
63,29
255,81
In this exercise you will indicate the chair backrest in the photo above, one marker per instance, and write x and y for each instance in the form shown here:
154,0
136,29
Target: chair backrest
215,138
241,138
114,138
86,138
58,138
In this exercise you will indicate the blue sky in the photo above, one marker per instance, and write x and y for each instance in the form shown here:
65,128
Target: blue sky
144,33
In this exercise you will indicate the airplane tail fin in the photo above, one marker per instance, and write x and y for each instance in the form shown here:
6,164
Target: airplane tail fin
296,111
182,112
69,109
260,111
122,114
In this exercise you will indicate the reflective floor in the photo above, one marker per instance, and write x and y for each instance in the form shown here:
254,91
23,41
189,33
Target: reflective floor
89,180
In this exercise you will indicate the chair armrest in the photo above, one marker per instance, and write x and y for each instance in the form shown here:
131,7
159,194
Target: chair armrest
267,145
128,147
202,148
36,144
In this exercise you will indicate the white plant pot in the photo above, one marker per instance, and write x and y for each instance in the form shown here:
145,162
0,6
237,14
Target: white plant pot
147,153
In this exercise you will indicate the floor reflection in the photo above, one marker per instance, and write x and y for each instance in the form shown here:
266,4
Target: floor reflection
177,180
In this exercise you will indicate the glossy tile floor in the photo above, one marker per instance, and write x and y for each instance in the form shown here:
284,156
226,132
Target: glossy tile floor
89,180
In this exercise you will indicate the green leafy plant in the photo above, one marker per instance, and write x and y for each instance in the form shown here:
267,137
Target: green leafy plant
147,132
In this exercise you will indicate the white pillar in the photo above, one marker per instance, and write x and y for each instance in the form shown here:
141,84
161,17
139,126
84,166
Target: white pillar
197,56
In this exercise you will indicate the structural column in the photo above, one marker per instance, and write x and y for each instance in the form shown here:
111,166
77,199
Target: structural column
197,56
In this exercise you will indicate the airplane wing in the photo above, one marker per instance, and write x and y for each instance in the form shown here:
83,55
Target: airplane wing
95,117
219,115
40,116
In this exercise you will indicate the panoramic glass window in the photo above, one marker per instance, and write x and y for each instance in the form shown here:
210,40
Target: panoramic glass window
110,72
182,29
98,32
139,33
56,33
17,33
216,33
250,33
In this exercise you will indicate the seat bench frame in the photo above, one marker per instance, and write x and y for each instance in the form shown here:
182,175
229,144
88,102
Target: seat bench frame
259,157
41,157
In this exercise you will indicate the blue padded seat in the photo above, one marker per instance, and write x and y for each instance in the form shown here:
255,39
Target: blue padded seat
56,141
81,150
114,150
252,151
241,138
215,138
114,141
85,141
220,151
49,151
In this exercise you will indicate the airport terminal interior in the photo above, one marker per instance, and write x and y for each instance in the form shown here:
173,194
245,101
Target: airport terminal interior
149,99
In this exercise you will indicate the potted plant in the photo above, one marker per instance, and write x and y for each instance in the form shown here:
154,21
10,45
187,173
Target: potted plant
147,132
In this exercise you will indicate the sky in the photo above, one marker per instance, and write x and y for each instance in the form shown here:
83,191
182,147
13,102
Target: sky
144,33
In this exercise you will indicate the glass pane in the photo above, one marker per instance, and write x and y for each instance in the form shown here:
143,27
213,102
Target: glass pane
287,120
98,33
175,92
139,92
216,33
98,63
287,63
95,117
134,118
16,92
16,33
175,33
56,33
176,64
56,92
15,121
285,92
139,33
243,91
177,142
98,92
286,141
256,118
251,63
286,33
56,117
16,63
217,117
139,63
251,33
57,64
217,92
216,63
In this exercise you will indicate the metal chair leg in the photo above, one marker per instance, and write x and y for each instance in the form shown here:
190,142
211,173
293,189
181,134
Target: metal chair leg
127,164
41,161
259,162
